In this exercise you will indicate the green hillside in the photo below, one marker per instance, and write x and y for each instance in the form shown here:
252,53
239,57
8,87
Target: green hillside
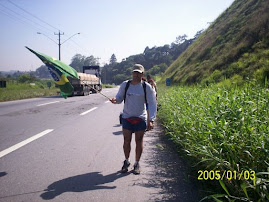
235,46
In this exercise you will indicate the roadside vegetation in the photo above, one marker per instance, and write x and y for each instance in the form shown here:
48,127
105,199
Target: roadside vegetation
27,86
223,131
108,86
218,112
236,43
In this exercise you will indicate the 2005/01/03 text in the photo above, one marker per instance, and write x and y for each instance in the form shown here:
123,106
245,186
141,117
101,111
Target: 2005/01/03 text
226,174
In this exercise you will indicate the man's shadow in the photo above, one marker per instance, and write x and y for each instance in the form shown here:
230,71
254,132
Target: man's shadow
118,132
80,183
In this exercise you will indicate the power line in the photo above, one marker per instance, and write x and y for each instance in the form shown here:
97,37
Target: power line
21,16
83,49
32,15
15,18
41,25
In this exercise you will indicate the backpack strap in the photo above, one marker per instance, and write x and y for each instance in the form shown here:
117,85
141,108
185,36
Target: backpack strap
145,92
127,86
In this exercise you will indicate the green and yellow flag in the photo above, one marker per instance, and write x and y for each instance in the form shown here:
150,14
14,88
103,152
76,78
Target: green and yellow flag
59,72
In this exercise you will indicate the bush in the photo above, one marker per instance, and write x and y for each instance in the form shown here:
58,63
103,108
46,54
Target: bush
225,129
262,76
16,91
26,78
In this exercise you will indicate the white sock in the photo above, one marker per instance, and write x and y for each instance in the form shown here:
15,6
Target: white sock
127,160
136,162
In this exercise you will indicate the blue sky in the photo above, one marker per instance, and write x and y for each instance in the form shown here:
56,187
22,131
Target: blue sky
122,27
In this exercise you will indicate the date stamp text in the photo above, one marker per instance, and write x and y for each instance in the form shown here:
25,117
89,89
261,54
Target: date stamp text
226,174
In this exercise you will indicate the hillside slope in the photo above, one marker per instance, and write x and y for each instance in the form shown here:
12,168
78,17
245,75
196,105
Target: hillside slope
235,46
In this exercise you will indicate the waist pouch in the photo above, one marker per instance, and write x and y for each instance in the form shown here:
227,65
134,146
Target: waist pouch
134,120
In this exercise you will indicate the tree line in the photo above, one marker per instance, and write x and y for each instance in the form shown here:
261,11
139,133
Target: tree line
155,60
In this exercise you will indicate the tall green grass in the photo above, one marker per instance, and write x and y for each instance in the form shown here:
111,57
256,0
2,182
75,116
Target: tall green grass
222,128
17,91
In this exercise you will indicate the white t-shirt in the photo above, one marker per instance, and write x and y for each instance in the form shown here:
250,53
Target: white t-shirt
135,105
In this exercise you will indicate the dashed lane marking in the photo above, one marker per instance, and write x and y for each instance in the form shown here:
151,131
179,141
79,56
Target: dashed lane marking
25,142
86,112
48,103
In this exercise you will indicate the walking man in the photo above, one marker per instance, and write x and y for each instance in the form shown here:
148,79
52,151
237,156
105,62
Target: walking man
139,99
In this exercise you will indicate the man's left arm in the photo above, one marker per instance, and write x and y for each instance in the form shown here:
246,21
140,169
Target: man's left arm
152,106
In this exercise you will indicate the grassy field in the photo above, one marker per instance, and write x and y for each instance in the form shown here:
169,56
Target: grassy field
17,91
223,132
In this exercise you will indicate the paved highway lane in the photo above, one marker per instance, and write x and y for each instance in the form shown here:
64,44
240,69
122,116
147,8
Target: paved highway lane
22,119
79,159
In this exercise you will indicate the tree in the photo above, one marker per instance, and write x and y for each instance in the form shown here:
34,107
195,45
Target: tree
77,62
146,50
88,61
198,33
16,74
157,69
42,72
113,59
26,78
119,78
181,39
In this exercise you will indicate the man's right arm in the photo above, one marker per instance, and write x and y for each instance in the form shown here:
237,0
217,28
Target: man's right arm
120,95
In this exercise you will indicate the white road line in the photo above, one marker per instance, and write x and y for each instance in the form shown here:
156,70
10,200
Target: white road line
86,112
107,101
48,103
25,142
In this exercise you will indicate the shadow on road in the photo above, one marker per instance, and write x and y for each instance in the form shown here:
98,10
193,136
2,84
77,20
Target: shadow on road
117,133
3,174
170,172
54,96
80,183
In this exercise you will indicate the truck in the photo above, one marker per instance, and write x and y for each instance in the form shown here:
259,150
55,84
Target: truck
89,81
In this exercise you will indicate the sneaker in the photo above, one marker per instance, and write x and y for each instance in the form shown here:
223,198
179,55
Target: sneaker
136,169
125,166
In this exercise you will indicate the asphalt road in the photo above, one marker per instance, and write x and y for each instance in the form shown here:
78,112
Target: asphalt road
71,150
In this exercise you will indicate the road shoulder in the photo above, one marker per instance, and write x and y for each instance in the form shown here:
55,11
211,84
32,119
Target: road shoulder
165,170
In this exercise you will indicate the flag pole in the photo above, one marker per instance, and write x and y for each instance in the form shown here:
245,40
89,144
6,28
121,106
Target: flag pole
97,91
103,95
100,93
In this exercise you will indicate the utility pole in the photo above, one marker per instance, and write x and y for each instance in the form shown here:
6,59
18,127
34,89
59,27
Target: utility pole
59,44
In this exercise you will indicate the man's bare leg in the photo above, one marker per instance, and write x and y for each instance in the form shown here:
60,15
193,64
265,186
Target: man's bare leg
127,149
139,144
127,142
138,150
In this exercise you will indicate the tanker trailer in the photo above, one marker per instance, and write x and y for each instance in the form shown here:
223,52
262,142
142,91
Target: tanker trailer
89,81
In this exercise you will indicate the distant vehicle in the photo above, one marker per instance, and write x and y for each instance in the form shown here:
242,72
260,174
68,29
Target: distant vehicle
89,81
